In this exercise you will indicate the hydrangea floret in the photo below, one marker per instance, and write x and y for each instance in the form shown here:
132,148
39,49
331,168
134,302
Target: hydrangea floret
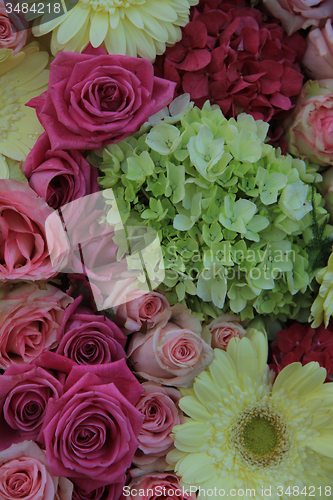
233,214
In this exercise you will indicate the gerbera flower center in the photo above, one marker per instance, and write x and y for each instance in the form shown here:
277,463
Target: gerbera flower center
261,436
9,108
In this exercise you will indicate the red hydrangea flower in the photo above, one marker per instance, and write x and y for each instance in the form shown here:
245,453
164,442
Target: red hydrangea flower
230,56
303,344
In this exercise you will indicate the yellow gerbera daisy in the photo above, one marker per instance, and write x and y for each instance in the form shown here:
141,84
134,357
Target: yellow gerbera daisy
11,169
127,27
322,308
246,435
22,77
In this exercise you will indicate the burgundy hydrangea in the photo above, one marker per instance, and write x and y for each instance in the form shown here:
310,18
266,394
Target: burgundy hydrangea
231,56
302,344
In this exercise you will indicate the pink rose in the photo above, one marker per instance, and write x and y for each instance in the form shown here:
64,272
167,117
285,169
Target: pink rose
88,338
297,14
172,353
29,320
326,188
25,474
156,486
24,252
318,58
59,176
24,393
95,98
13,31
159,405
309,129
223,329
90,433
141,312
109,492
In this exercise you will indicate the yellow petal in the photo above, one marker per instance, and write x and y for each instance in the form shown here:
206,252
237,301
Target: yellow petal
99,28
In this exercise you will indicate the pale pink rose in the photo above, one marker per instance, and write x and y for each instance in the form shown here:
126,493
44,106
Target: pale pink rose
297,14
309,128
29,321
25,474
13,31
24,251
318,58
159,405
326,188
173,352
223,329
157,486
141,312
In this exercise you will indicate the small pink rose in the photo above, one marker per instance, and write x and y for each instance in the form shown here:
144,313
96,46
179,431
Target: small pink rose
29,320
59,176
173,352
223,329
24,394
26,474
156,486
13,30
141,312
297,14
318,58
24,250
159,405
88,338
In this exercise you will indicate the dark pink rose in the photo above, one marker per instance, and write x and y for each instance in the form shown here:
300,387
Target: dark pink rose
90,433
24,393
26,474
141,312
24,251
109,492
173,352
95,98
157,486
89,339
223,329
59,176
13,31
29,320
159,405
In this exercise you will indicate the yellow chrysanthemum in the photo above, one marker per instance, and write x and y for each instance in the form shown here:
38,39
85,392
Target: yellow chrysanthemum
246,434
322,308
22,77
127,27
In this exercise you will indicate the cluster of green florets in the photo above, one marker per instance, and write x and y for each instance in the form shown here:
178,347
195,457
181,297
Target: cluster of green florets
233,214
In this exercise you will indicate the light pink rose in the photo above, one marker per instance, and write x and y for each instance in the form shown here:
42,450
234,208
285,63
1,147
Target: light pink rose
297,14
173,352
13,31
326,189
309,128
24,253
141,312
318,58
223,329
24,394
29,321
159,405
157,486
26,475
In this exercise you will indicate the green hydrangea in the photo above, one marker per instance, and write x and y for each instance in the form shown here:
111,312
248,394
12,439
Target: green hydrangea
233,214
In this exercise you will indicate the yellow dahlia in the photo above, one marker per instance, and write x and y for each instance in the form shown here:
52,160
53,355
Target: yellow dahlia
22,77
322,308
246,435
127,27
